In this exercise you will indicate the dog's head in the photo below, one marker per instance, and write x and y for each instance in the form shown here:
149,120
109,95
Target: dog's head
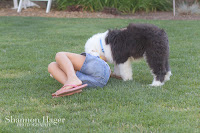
111,37
93,44
116,39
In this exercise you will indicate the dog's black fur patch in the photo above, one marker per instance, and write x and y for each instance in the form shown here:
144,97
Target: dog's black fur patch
138,40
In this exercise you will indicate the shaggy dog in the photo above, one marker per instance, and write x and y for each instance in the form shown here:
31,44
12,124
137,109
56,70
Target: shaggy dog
133,42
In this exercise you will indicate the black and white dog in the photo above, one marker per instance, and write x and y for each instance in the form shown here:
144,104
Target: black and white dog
133,42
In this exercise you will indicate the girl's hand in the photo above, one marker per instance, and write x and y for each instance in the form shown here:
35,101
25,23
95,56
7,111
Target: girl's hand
103,58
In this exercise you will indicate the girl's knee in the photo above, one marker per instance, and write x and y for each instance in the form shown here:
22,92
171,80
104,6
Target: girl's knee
52,66
59,55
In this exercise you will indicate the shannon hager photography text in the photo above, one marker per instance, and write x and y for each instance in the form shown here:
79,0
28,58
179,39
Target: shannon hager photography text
44,121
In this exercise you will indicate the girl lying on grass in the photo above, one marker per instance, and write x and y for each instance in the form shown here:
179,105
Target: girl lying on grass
77,71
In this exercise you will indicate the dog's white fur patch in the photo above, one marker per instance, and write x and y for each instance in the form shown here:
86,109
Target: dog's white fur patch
93,46
116,70
125,70
156,83
167,76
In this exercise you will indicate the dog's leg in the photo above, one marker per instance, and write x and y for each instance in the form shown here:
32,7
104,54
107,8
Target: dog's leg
167,76
158,73
158,70
116,73
158,77
116,70
125,70
169,73
156,82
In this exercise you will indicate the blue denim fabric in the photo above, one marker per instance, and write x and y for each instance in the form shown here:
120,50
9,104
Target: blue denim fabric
95,72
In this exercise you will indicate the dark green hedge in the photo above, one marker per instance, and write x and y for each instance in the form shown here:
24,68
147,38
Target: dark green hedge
124,6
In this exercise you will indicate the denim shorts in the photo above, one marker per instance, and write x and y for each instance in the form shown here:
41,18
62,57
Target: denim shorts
95,72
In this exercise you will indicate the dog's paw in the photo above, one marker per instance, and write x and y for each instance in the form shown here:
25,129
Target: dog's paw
167,76
115,76
156,83
116,73
127,78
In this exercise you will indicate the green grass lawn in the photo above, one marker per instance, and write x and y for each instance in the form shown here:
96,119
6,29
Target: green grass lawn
29,44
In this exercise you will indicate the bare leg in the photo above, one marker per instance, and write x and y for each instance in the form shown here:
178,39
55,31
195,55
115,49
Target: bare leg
66,65
57,73
63,70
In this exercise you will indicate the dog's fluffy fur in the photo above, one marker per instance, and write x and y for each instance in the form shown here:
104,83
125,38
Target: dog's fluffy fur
130,43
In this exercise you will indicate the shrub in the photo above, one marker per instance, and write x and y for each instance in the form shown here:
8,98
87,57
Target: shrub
124,6
184,8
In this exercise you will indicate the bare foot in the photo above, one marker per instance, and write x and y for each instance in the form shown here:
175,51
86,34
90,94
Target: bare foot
76,82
